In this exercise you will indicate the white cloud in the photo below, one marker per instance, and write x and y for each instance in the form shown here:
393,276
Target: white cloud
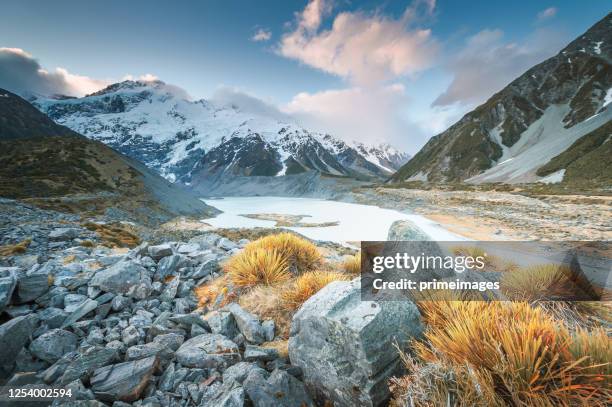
261,35
20,72
369,115
545,14
148,77
487,63
226,96
362,48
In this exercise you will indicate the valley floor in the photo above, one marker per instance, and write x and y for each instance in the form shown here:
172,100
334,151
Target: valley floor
493,215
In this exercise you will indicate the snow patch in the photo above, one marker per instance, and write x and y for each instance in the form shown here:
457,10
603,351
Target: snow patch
553,178
597,47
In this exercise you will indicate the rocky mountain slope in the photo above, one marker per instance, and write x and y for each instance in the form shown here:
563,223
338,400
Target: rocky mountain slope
535,128
42,160
188,141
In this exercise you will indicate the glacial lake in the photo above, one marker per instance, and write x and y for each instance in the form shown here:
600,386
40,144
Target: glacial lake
356,222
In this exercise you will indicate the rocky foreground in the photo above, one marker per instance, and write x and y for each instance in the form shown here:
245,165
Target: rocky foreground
122,327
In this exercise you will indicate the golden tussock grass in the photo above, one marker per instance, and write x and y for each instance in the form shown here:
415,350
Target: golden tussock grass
515,355
308,284
300,254
257,266
352,264
114,235
18,248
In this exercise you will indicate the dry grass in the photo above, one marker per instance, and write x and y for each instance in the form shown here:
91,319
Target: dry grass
514,355
352,264
281,346
257,266
215,291
114,235
18,248
307,285
266,303
300,254
88,243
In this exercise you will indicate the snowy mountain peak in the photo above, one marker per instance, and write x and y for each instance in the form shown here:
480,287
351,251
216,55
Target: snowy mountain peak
159,125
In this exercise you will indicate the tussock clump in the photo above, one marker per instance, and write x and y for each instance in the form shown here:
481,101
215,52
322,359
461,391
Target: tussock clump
266,303
300,254
308,284
257,266
12,249
113,235
516,355
352,264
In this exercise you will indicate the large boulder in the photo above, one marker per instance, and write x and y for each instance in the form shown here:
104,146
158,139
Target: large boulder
53,344
13,336
124,381
248,324
126,277
62,234
346,346
31,286
208,351
406,230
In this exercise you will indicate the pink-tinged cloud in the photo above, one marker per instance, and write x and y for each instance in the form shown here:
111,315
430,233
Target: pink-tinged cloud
21,73
362,48
545,14
261,35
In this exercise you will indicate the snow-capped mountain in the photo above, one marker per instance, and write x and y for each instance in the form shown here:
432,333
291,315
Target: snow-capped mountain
551,124
156,123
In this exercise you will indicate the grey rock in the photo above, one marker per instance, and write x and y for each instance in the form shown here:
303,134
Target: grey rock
126,277
83,309
7,287
227,395
63,234
226,244
80,365
30,287
124,381
52,345
160,251
208,351
169,266
240,371
148,349
13,336
222,322
73,301
197,330
18,310
206,269
268,329
187,248
120,302
247,323
345,346
406,230
171,341
257,353
130,335
170,290
279,390
52,317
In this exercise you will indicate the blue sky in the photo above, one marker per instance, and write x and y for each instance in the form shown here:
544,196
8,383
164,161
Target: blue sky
452,54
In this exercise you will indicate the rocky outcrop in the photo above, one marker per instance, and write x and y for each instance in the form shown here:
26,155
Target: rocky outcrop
406,230
346,346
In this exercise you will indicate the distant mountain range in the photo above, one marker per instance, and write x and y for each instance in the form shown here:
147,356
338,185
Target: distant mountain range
196,141
551,124
44,160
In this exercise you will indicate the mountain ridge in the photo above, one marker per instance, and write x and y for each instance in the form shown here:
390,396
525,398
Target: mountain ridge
498,140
